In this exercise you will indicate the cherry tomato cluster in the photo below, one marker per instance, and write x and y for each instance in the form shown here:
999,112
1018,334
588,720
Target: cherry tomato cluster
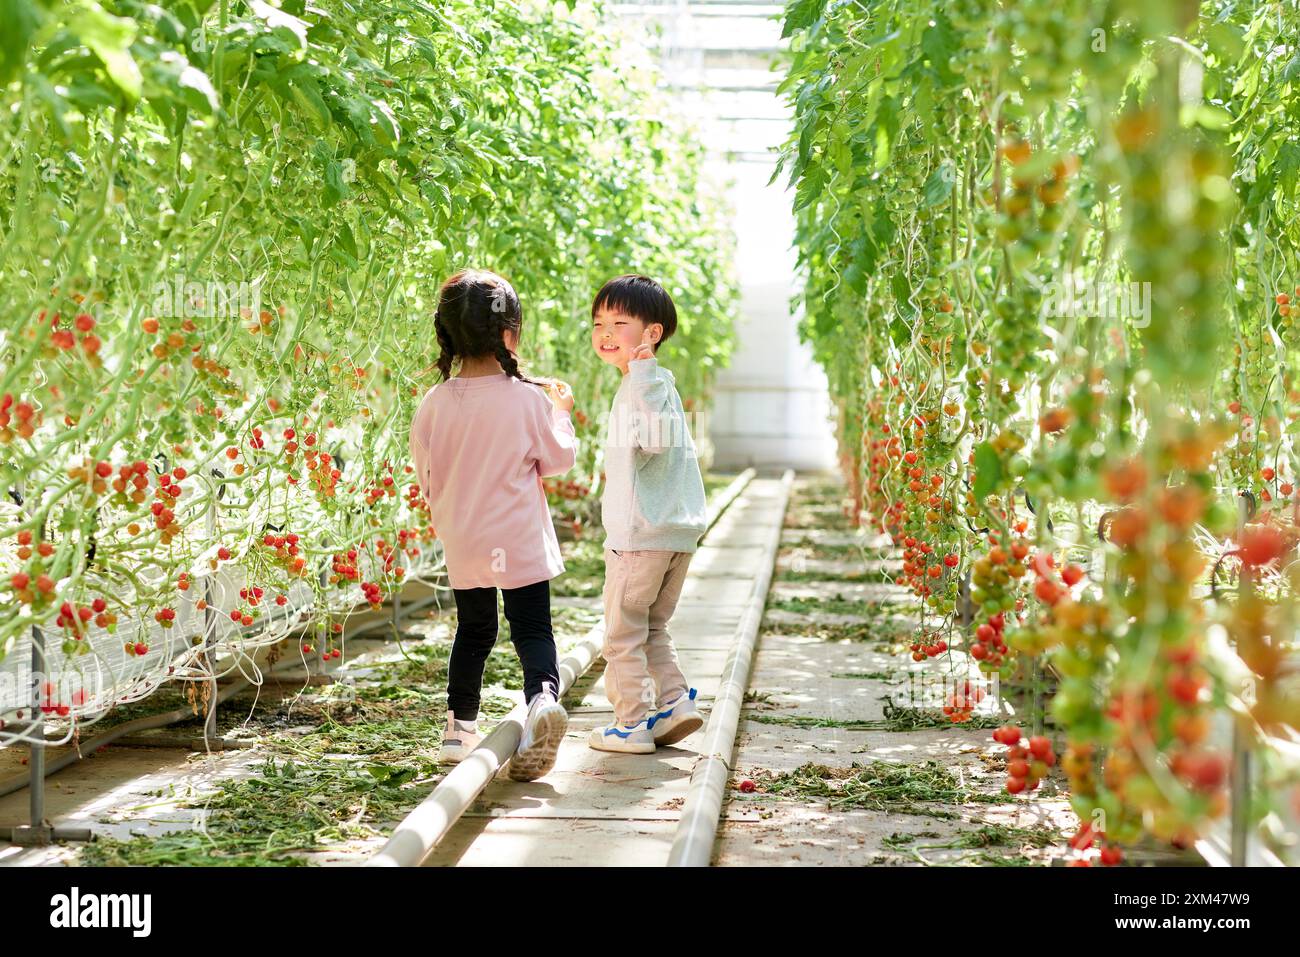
285,552
960,703
1026,765
66,339
933,646
374,594
33,586
343,567
76,619
566,490
1111,855
51,705
24,414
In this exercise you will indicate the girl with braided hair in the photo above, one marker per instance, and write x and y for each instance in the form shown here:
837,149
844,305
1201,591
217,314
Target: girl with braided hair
481,442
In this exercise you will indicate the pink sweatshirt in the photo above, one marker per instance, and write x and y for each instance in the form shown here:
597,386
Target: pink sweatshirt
480,448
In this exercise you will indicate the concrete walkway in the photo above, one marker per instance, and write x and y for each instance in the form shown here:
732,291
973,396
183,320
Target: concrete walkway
839,685
604,809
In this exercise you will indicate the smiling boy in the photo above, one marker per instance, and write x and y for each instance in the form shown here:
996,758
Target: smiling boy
654,514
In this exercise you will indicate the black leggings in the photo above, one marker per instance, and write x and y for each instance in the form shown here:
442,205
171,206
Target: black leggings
528,610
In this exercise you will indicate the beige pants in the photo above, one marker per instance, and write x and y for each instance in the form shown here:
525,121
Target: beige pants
641,592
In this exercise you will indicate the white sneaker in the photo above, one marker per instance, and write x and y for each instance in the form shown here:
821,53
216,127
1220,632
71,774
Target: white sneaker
677,720
633,739
458,740
544,729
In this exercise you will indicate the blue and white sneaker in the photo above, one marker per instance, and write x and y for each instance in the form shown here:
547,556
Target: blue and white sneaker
627,739
544,729
458,740
677,720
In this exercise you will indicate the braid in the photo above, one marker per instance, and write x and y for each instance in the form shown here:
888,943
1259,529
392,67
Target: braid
475,311
504,356
448,348
508,362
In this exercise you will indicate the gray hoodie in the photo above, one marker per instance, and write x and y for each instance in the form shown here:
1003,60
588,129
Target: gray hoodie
654,495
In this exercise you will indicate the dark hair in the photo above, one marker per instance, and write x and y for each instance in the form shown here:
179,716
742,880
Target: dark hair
638,297
475,310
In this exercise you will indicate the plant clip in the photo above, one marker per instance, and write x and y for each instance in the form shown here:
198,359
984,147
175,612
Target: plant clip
966,608
1214,572
1103,522
1251,506
1029,503
221,488
90,549
166,467
17,496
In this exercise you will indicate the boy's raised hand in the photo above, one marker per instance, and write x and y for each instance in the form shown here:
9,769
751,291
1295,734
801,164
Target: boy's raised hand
646,349
561,395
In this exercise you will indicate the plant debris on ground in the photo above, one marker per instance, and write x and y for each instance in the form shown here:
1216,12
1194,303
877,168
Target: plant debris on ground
877,786
368,756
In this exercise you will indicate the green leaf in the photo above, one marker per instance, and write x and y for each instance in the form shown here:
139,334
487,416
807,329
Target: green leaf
345,239
336,188
901,288
1224,41
938,188
988,470
800,15
1286,166
886,130
21,18
939,42
855,277
110,37
1211,117
282,24
198,91
88,93
900,332
386,123
357,112
306,232
57,105
882,227
810,188
437,255
306,95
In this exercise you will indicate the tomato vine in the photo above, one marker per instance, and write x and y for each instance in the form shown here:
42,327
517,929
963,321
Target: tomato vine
222,228
1047,257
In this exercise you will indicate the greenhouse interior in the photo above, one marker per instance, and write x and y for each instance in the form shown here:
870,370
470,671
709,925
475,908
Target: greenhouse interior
877,419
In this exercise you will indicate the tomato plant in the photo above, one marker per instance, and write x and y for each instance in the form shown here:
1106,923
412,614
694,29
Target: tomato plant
1048,255
222,229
